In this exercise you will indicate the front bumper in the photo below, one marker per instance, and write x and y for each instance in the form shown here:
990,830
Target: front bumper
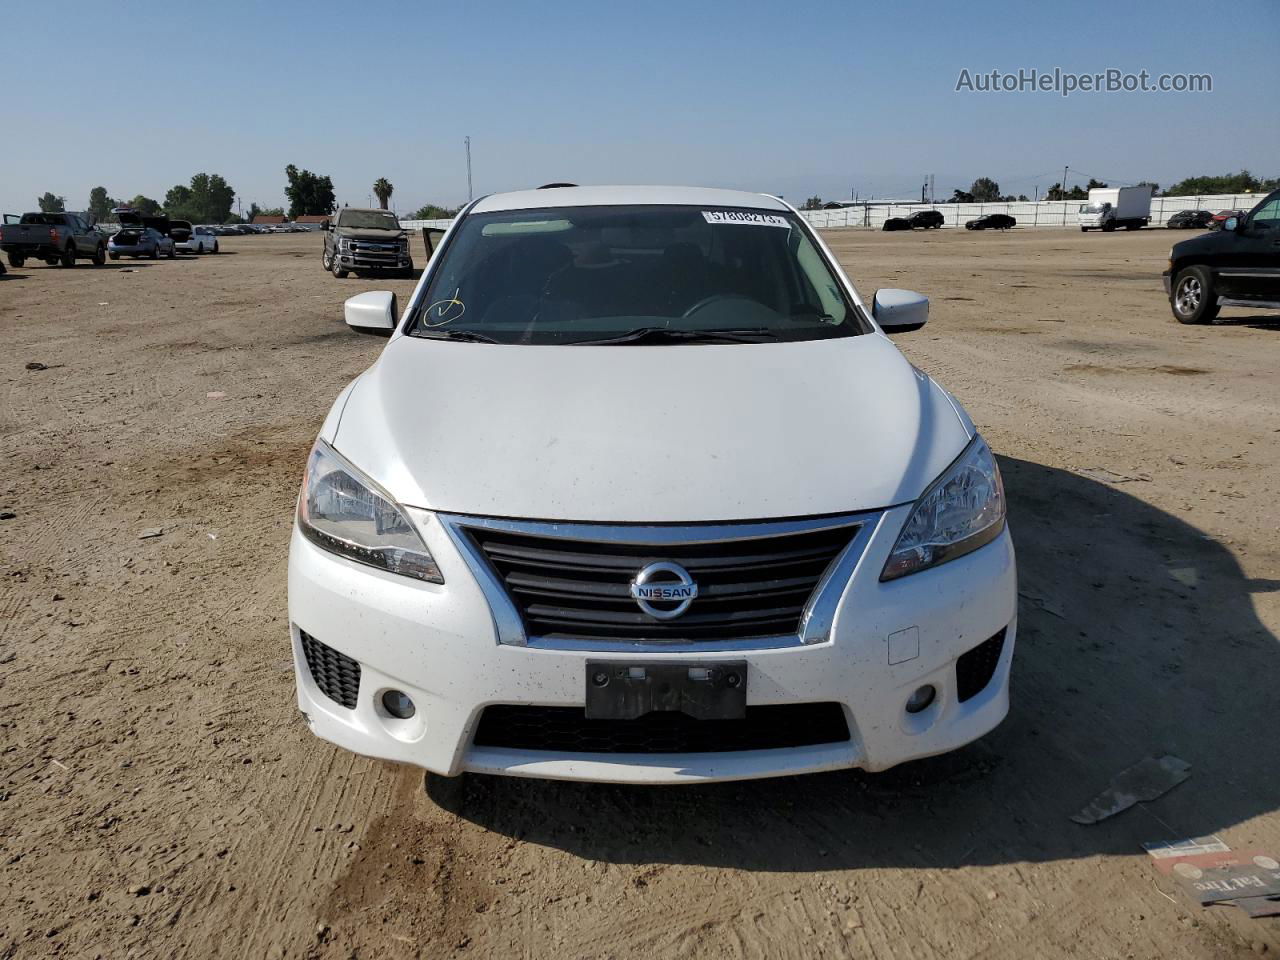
366,262
438,644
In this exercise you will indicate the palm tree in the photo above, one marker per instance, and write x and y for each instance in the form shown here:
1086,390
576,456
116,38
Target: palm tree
382,189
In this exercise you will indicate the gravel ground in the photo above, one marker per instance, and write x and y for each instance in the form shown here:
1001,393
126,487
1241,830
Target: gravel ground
160,797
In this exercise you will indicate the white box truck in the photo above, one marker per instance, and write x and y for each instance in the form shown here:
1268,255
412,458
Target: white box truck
1112,207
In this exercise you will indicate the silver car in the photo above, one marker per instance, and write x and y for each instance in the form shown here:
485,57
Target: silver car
135,241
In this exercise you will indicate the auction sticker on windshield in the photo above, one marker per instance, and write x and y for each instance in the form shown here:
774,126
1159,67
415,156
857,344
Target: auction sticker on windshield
744,217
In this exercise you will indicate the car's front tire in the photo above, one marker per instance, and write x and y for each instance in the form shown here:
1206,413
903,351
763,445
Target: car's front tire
99,255
336,268
1194,299
69,255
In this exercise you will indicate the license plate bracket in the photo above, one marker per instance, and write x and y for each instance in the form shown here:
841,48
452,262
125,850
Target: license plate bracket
705,691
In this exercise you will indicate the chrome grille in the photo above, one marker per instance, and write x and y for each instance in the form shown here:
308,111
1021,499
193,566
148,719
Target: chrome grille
572,582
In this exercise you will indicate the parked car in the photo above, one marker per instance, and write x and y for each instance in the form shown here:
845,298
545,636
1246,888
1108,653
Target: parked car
991,221
139,241
55,238
927,219
897,223
1237,266
200,240
1222,216
566,527
179,231
1190,220
365,241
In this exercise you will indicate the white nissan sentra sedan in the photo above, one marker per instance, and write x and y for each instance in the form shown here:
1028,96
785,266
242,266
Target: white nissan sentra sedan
640,491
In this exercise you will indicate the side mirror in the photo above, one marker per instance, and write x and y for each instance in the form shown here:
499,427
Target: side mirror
1232,224
900,311
373,313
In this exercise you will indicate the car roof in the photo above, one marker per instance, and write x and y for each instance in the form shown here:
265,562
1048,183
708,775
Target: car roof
602,196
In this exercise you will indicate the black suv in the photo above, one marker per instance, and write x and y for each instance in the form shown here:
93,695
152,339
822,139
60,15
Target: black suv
1237,266
365,241
926,219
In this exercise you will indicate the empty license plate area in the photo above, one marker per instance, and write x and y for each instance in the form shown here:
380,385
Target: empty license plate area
705,691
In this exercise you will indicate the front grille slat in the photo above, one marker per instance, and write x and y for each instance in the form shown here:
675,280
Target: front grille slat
531,586
567,730
579,587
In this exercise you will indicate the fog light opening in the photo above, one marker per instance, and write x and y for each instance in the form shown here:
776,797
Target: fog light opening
921,699
398,704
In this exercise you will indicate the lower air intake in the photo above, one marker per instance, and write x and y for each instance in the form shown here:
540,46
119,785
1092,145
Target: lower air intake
336,674
975,669
567,730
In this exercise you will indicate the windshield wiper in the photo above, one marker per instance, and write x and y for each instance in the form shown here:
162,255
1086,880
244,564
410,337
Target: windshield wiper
668,335
459,336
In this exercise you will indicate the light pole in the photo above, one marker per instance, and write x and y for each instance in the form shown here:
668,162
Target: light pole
470,193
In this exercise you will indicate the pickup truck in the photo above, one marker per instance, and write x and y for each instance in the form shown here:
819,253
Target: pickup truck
55,238
1237,266
366,241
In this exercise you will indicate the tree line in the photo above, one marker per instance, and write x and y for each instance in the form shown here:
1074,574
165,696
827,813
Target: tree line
208,198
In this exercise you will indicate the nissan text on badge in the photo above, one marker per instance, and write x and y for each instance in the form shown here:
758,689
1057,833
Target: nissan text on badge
500,566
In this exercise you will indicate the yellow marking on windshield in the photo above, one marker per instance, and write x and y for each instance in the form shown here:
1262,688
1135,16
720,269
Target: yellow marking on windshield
443,311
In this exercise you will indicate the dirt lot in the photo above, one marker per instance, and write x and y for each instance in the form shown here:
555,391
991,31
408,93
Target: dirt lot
160,797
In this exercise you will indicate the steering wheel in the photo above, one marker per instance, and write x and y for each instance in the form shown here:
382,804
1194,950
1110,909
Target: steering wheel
714,298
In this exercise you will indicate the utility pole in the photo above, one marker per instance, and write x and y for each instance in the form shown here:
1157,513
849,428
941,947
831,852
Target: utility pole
1064,182
470,192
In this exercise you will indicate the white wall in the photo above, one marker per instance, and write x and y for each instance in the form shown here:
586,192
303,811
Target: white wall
1046,213
419,224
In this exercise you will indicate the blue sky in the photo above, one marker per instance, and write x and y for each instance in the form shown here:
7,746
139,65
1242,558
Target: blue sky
801,98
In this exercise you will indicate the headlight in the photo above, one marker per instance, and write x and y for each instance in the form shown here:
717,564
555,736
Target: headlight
343,243
962,511
342,511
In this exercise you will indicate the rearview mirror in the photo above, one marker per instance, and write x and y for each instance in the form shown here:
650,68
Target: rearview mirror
900,311
373,313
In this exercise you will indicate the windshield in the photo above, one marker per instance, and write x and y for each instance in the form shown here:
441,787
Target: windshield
633,274
369,219
1097,208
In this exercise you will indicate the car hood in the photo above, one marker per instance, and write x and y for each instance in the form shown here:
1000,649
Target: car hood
368,233
658,434
1204,243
